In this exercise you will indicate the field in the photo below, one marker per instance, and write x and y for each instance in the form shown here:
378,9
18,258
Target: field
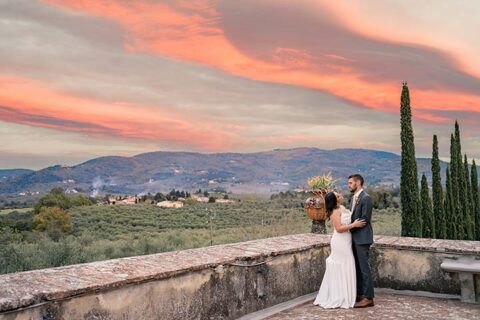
7,211
106,232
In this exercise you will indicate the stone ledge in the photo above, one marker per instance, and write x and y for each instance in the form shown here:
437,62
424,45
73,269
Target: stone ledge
435,245
24,289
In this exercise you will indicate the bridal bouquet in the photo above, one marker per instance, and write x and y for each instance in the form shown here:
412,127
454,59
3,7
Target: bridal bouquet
324,182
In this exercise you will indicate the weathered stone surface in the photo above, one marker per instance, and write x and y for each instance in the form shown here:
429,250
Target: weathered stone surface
388,306
436,245
319,227
412,270
414,264
31,287
214,282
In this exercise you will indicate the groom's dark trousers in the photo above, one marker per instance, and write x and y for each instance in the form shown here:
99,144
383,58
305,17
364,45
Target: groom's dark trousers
364,274
362,239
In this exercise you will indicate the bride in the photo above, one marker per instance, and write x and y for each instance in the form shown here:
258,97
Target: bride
338,289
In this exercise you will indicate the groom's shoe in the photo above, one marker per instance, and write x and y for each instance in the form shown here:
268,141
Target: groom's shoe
359,298
364,303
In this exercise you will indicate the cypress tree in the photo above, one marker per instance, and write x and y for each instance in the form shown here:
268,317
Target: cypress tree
427,211
469,218
411,218
437,194
449,208
455,190
476,199
462,187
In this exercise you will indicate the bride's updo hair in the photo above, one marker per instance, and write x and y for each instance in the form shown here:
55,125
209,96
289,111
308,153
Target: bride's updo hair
330,203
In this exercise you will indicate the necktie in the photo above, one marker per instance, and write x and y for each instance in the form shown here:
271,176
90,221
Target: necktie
354,202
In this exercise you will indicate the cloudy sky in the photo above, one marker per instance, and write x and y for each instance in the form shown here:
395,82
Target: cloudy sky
87,78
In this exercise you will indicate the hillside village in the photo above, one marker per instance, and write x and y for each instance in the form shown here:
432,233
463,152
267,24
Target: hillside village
174,199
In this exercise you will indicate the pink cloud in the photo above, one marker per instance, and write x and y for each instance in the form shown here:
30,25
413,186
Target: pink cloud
297,44
33,103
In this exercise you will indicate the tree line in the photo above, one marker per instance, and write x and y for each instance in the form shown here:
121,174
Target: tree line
382,198
450,213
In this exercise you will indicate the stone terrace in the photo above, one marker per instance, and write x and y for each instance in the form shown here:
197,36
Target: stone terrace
232,280
388,306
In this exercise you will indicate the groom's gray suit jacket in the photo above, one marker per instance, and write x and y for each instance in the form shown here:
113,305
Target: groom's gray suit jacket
363,210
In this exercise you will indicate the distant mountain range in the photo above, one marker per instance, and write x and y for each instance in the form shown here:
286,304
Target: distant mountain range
260,172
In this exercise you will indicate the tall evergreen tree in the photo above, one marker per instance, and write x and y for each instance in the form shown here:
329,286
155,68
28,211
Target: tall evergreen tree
427,210
411,218
469,217
449,208
437,194
462,187
455,190
476,199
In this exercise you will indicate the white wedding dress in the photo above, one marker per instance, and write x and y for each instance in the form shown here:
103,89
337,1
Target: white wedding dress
339,285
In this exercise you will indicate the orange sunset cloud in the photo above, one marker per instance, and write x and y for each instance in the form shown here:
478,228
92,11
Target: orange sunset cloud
194,33
239,76
32,103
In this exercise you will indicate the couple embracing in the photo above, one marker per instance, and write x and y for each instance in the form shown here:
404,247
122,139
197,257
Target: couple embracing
348,281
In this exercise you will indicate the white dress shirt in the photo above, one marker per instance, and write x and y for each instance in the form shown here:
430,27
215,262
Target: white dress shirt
355,197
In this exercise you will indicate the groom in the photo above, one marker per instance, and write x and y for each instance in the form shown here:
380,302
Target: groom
361,207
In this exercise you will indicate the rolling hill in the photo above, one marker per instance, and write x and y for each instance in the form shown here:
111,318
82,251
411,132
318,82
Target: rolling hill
259,172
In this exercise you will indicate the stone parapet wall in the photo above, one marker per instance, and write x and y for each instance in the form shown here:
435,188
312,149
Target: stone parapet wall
414,264
217,282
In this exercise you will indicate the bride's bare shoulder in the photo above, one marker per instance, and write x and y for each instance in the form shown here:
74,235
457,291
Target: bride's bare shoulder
337,211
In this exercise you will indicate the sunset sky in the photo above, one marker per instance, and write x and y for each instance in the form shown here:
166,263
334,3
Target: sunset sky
87,78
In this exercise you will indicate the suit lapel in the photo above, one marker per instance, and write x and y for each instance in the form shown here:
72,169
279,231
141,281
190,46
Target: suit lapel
357,205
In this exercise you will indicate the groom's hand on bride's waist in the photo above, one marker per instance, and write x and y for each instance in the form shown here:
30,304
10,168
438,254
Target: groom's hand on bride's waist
359,223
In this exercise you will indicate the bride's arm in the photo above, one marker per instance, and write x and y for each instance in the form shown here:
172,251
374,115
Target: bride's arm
335,217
